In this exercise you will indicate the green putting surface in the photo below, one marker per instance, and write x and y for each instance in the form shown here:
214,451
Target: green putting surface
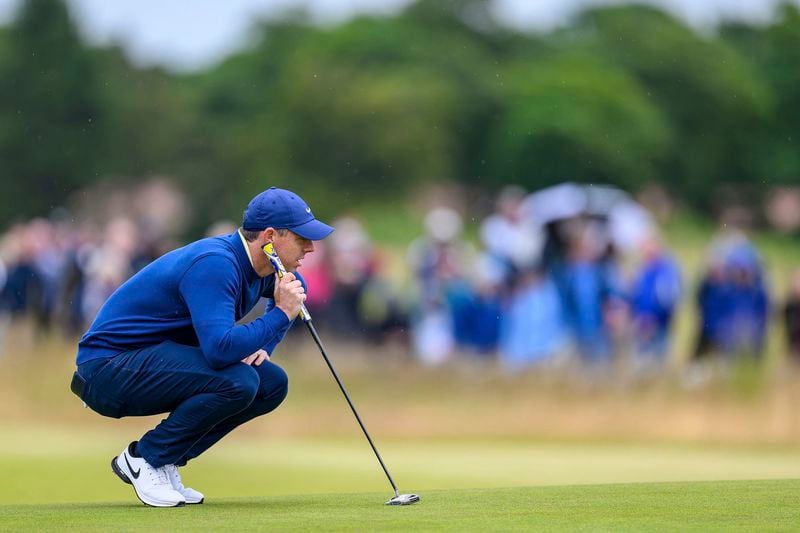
60,466
690,506
60,479
484,451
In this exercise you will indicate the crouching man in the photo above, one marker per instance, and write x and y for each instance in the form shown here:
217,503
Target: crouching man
167,341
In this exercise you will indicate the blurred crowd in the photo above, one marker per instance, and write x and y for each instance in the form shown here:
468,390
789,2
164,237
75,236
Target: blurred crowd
58,271
569,275
580,275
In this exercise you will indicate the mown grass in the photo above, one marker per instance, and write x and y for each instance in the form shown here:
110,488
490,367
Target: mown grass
58,465
709,506
454,435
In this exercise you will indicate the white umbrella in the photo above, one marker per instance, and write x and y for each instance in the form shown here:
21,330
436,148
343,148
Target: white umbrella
627,222
558,202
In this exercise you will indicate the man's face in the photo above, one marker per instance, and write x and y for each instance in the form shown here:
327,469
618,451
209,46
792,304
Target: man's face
291,248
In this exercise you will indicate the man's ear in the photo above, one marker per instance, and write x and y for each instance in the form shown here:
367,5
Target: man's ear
268,235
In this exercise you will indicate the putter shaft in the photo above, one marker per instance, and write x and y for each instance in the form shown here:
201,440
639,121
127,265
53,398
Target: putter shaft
350,402
273,257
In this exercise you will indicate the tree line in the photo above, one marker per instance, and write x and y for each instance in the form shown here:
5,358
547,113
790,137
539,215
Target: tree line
368,109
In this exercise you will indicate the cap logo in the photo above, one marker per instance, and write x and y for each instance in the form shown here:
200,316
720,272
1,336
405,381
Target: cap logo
308,209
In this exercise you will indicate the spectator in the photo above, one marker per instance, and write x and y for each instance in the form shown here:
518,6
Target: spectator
382,310
744,317
4,319
440,261
316,270
586,290
654,296
710,303
352,262
511,237
109,264
532,328
475,302
72,284
733,300
23,293
791,317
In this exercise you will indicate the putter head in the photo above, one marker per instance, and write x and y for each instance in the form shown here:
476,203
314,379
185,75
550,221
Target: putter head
403,499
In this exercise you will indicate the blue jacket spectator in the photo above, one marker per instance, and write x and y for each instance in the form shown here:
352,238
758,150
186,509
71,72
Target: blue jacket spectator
746,304
654,296
532,329
711,304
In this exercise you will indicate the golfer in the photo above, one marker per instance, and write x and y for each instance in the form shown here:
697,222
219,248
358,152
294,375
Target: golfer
168,341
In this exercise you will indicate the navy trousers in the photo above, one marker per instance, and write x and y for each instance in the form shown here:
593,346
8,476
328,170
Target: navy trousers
204,404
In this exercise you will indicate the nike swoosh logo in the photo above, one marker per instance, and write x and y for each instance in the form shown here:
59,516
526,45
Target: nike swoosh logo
135,473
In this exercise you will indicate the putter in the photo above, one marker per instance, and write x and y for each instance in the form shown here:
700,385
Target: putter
398,499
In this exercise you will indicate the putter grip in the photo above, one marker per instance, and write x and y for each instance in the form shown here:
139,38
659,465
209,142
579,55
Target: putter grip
277,264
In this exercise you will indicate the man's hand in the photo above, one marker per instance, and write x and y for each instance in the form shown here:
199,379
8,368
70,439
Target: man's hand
289,294
256,359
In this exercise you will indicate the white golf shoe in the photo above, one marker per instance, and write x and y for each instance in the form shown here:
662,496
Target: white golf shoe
192,496
152,485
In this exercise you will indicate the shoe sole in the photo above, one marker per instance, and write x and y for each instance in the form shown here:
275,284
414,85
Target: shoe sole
124,477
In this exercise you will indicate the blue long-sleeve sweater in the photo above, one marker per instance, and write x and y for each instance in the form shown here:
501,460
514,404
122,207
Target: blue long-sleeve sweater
194,296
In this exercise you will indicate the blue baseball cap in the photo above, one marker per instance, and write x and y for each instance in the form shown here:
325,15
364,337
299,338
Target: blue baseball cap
279,208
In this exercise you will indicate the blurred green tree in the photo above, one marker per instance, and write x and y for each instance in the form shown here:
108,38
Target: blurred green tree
383,105
49,107
774,49
238,146
368,109
148,120
351,112
714,100
573,118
